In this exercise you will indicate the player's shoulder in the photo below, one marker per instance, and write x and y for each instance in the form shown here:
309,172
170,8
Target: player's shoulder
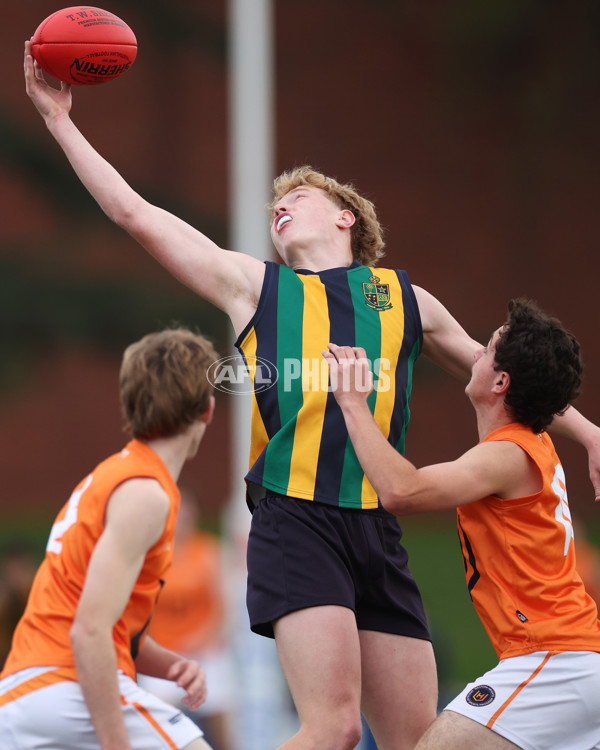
139,495
430,308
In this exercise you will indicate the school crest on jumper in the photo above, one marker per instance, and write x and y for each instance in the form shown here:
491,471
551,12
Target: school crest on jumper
377,295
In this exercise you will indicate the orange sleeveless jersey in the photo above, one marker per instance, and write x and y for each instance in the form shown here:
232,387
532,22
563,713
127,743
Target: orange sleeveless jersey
42,635
520,562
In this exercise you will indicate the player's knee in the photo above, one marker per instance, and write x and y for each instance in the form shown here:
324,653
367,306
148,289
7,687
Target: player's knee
342,731
352,734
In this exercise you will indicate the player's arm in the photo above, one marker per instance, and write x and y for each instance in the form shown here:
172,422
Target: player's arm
135,519
572,424
231,281
497,468
445,341
451,347
156,661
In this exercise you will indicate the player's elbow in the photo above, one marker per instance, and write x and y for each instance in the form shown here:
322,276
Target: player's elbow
401,499
82,635
77,635
396,504
126,212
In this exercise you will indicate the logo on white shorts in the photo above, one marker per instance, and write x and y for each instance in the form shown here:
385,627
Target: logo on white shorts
482,695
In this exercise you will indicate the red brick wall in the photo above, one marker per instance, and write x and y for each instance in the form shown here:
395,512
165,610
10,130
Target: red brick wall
479,148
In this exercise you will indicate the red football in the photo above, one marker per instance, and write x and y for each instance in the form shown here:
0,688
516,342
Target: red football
84,45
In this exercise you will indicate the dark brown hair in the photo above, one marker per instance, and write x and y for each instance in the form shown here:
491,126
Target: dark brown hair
543,361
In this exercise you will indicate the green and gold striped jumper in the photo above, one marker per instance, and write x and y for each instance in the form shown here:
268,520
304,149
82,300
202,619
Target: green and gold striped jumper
299,445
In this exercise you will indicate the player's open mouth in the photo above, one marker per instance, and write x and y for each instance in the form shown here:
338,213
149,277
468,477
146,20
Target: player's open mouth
283,221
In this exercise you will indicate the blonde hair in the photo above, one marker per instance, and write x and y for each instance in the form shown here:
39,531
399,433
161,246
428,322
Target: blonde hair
366,233
163,382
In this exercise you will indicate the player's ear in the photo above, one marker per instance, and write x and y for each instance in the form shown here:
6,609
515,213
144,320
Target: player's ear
346,219
207,416
501,383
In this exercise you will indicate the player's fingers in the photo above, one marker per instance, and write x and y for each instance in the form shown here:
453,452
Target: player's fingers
198,702
176,670
337,352
196,694
342,352
187,674
364,376
354,352
28,59
196,689
39,75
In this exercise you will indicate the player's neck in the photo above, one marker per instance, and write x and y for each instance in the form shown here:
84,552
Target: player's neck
319,259
492,418
174,452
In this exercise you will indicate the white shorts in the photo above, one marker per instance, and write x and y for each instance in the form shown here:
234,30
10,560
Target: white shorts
540,701
56,717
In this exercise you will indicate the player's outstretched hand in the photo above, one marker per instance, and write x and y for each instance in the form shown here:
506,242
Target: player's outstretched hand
594,467
50,102
349,373
188,675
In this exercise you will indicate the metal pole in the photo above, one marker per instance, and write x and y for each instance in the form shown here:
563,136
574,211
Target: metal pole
263,717
251,174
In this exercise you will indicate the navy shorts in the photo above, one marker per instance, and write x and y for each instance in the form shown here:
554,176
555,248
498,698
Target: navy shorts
306,554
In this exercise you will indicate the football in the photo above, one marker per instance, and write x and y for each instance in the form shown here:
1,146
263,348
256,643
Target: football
84,45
